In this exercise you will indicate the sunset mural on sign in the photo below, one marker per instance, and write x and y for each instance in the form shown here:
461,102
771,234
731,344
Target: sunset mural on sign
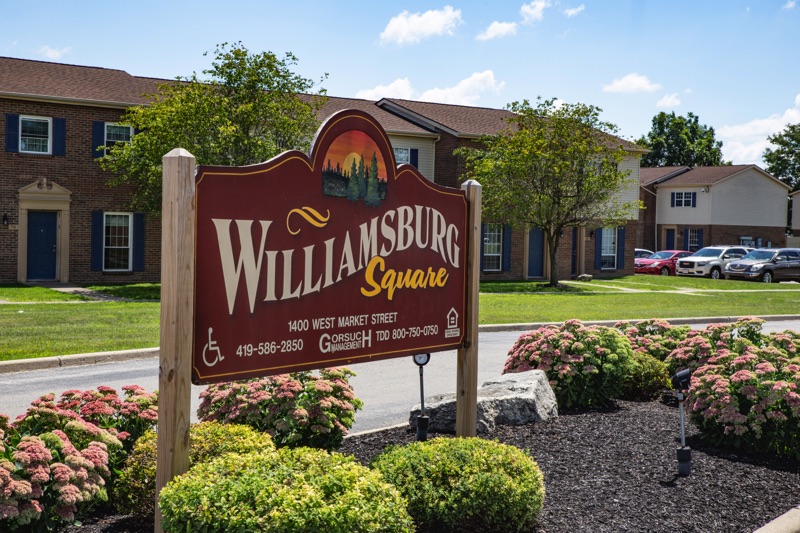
354,169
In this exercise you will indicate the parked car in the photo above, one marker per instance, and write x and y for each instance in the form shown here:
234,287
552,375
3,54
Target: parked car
641,252
661,262
710,261
767,265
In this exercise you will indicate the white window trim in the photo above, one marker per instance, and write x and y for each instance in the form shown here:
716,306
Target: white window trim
406,159
130,242
105,133
694,240
685,199
616,248
49,121
498,255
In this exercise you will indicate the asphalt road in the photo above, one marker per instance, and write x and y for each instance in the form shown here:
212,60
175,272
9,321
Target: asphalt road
389,388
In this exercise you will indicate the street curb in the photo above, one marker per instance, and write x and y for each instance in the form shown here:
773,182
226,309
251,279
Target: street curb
788,522
43,363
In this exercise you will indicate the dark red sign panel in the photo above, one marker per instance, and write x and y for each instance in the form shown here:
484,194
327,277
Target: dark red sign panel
338,257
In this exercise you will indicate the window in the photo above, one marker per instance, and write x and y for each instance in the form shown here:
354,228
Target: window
492,247
117,241
693,242
683,199
34,135
116,133
402,155
608,248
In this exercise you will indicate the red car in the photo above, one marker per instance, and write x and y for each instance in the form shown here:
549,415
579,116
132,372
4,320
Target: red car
662,262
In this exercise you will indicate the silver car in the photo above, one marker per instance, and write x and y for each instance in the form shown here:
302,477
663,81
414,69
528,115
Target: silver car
709,261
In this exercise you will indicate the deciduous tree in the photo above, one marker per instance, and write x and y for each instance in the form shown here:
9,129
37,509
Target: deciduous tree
681,141
247,108
554,167
783,161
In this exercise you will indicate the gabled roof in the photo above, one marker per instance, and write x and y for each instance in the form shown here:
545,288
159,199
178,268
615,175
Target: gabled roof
41,80
651,175
391,123
704,176
458,120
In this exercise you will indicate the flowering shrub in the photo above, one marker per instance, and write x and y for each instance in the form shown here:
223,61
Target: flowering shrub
299,409
700,346
135,489
748,398
587,365
647,379
46,480
655,336
291,490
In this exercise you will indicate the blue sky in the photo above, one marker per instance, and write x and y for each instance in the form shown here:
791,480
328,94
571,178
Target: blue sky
735,64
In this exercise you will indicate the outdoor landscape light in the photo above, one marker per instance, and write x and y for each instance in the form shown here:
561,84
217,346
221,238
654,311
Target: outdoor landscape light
421,359
681,383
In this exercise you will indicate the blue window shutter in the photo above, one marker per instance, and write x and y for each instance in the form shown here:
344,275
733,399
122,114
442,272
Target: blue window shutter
694,199
483,236
700,238
506,248
138,242
97,241
414,158
98,137
12,132
598,249
59,136
686,239
672,199
621,248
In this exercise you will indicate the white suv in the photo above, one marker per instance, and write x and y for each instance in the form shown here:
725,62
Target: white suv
709,261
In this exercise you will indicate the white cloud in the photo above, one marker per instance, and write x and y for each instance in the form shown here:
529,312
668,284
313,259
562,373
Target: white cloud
669,100
574,11
789,5
465,92
534,11
412,28
399,88
632,83
52,53
745,143
498,29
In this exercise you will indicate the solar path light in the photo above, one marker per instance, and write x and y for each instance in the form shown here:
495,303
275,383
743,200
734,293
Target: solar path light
681,383
421,359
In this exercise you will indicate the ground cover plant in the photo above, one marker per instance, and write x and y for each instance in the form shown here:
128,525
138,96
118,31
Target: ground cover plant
130,291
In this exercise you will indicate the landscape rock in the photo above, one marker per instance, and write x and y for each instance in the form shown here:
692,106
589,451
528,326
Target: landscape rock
510,399
584,277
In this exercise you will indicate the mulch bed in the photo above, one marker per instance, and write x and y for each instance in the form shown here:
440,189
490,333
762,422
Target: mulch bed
615,470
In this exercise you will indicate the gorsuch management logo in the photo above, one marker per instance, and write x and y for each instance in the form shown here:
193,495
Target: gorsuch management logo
333,258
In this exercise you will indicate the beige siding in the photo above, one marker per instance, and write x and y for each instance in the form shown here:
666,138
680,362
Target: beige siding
426,150
796,215
700,215
749,199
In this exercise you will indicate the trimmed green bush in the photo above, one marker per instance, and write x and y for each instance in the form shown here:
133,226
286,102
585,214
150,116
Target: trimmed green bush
135,490
289,490
648,378
587,365
465,484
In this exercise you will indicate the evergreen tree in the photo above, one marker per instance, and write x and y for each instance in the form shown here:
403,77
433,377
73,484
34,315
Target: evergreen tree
362,178
352,184
373,199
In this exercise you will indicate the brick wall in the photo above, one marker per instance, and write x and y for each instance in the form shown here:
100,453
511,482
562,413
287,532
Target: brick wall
82,176
719,235
645,230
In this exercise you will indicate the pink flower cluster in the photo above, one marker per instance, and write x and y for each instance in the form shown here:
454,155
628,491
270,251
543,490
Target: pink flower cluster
585,364
654,337
296,409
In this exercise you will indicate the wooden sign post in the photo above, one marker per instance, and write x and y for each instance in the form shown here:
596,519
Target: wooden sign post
177,318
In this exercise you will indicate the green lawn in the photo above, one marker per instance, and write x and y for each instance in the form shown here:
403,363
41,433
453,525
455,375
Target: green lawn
52,323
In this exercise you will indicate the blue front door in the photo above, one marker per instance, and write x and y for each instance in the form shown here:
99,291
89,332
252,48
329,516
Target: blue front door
42,232
535,253
670,240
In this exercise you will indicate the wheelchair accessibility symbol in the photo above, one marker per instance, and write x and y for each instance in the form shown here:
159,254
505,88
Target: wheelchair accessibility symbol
211,347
